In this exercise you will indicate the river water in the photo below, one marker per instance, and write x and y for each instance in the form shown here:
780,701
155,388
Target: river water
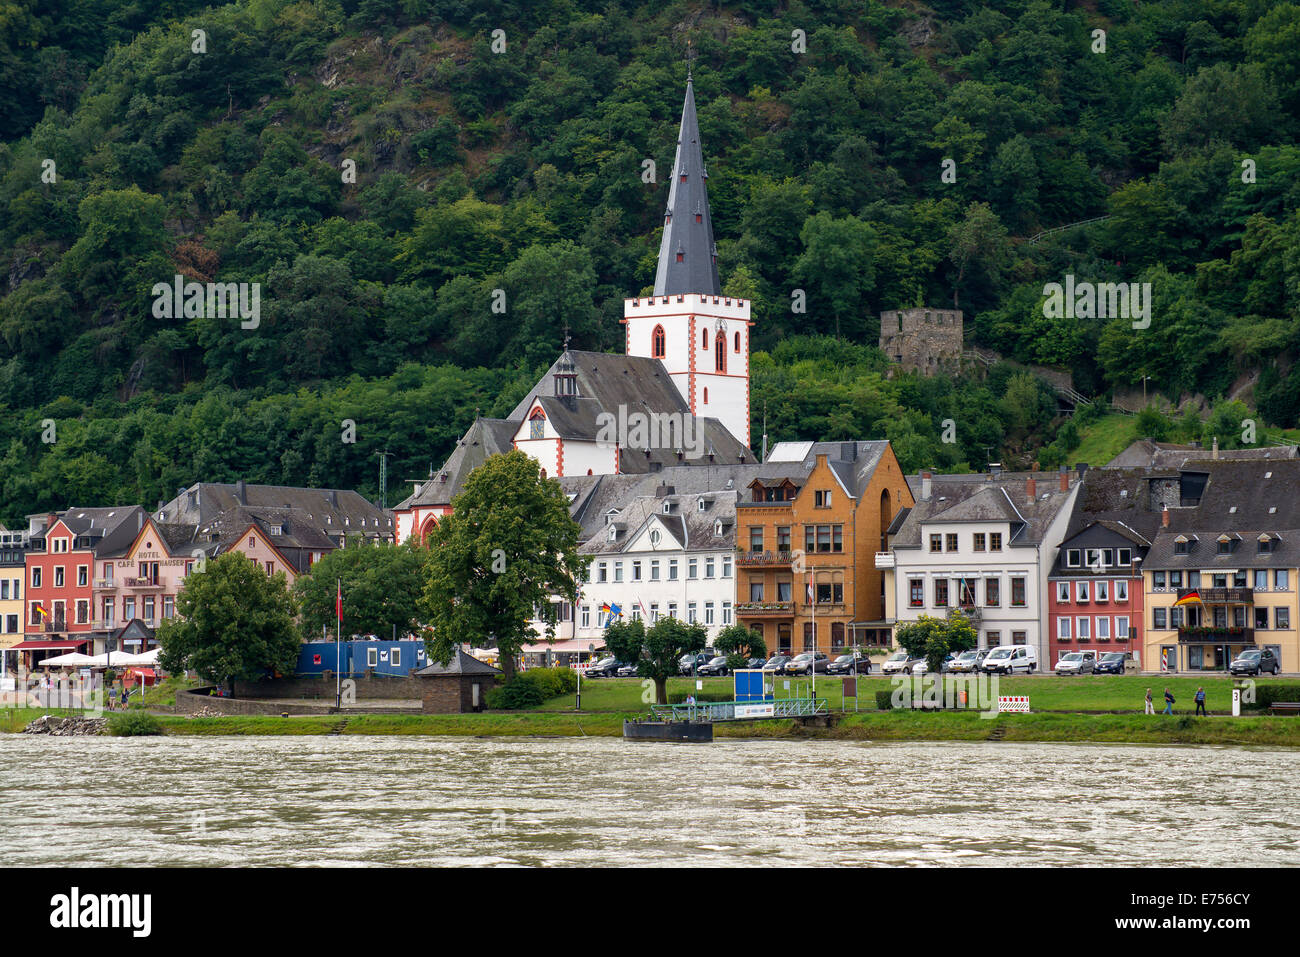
602,801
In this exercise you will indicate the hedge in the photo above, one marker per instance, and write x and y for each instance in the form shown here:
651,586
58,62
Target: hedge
1267,692
530,688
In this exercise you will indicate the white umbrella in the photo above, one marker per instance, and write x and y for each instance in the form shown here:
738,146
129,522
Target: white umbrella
71,660
149,657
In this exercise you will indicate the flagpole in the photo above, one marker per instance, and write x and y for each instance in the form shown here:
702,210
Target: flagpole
338,649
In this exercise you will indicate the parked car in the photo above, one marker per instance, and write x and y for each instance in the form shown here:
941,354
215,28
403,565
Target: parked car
850,664
1112,663
897,663
689,663
1074,663
922,666
1255,661
969,660
776,664
716,666
627,670
754,664
1008,659
802,664
605,668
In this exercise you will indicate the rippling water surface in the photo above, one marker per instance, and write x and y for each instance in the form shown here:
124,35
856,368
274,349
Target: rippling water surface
592,801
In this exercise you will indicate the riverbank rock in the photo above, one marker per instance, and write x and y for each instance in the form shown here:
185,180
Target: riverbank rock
206,712
66,727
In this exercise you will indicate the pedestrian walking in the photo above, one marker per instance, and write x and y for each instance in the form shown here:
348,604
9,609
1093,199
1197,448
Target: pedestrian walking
1169,702
1151,707
1200,702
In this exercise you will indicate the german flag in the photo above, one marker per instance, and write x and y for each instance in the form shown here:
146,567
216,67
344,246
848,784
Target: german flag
1191,598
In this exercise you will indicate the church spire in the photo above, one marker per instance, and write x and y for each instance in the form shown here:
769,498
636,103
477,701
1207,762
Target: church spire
687,256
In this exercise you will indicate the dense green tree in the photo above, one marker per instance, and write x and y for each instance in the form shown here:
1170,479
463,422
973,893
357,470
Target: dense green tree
381,590
234,623
935,638
497,559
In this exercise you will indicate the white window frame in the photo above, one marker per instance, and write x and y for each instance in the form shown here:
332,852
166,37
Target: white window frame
1102,624
1081,592
1121,628
1102,591
1063,592
1063,627
1084,626
1121,589
372,657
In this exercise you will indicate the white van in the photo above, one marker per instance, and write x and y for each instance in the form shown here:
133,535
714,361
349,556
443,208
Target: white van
1008,659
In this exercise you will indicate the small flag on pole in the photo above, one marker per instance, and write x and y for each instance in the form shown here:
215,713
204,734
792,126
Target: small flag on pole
338,602
1191,598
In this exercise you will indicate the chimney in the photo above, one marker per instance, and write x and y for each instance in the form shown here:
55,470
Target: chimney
1164,517
925,486
1065,480
1214,450
1031,489
241,492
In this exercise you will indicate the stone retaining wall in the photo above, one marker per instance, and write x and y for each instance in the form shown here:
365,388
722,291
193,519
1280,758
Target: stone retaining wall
188,702
323,688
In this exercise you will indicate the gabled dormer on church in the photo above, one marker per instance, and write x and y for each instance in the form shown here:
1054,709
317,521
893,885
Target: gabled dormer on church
700,335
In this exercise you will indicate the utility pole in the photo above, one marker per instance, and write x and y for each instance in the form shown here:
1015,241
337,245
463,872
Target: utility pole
383,477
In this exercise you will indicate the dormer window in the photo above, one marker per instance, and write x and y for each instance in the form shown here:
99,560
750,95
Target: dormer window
613,532
1182,545
668,508
700,503
1265,544
1072,557
717,527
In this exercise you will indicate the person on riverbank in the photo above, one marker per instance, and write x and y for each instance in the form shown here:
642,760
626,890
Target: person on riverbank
1151,706
1200,702
1169,702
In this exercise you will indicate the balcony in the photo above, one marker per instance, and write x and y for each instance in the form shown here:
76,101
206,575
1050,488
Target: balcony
778,558
1208,634
141,583
1227,596
104,584
54,624
884,559
765,609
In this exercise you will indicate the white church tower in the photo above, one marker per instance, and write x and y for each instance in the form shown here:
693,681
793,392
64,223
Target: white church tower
700,335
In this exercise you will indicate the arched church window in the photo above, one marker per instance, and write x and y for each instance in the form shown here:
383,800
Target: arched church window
658,338
720,353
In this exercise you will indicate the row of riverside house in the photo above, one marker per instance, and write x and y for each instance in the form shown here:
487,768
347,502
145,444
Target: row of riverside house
827,547
95,579
1182,560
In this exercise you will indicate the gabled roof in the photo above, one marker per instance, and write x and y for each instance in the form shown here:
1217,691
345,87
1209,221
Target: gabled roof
485,438
460,664
988,504
697,270
341,509
986,498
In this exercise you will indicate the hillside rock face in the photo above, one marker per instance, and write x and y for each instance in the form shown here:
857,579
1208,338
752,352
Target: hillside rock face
66,727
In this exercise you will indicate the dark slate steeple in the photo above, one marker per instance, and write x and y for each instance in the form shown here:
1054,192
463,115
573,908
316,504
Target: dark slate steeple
688,259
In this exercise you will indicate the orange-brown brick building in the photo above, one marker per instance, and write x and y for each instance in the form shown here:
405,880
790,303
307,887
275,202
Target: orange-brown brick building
806,541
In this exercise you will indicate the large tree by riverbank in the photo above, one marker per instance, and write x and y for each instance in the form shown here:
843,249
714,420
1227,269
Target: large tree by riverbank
508,546
234,622
381,590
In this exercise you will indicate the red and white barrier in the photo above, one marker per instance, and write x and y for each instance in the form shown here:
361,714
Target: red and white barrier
1014,703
